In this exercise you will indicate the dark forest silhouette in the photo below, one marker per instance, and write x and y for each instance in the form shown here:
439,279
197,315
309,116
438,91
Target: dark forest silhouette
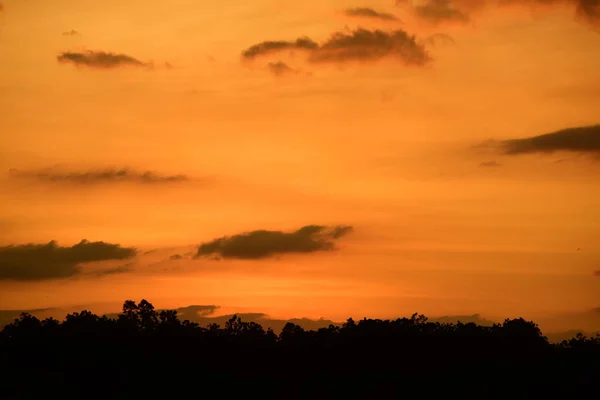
145,353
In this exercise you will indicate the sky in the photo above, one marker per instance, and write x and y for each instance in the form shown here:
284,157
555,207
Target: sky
303,159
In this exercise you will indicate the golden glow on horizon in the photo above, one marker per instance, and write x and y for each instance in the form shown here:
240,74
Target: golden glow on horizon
380,146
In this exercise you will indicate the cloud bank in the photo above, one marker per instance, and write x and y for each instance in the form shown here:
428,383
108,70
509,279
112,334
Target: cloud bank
31,262
100,60
370,13
261,244
107,175
579,140
358,45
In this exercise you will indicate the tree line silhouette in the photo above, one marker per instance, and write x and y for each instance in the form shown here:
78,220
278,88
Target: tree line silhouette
145,353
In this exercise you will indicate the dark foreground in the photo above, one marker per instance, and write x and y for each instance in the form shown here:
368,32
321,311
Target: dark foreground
145,354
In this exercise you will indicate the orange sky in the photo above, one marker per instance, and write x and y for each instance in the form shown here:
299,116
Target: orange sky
385,147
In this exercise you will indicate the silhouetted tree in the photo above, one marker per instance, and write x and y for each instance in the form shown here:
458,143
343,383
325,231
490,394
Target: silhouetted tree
368,359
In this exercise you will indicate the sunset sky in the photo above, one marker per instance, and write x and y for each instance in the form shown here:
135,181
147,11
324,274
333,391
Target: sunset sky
458,139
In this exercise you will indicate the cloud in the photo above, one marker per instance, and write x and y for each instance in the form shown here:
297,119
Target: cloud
263,244
490,164
440,11
365,45
72,32
117,270
100,60
358,45
438,38
370,13
437,11
579,140
597,273
176,257
30,262
108,175
280,68
589,12
269,47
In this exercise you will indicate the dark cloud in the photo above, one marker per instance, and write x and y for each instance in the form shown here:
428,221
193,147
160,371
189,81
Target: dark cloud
579,140
280,68
490,164
100,60
597,273
72,32
176,257
29,262
108,175
194,313
589,11
270,47
370,13
263,244
358,45
365,45
113,271
437,39
439,11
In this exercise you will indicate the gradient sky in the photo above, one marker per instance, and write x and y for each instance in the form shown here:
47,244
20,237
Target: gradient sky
372,139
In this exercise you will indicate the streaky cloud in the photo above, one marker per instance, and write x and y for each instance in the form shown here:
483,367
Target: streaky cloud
370,13
490,164
261,244
366,45
36,262
357,45
280,68
100,60
461,11
72,32
437,39
270,47
578,140
107,175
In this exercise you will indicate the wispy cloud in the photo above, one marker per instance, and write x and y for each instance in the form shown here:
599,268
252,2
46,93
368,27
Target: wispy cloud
440,11
579,140
365,45
437,39
490,164
30,262
100,60
72,32
270,47
280,68
107,175
358,45
264,244
370,13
